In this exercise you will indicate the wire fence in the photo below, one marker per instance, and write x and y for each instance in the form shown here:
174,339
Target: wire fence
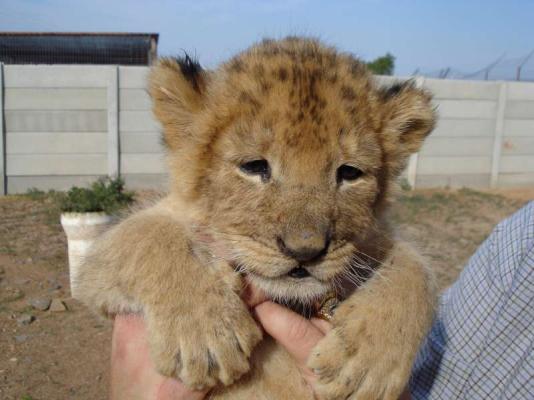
502,68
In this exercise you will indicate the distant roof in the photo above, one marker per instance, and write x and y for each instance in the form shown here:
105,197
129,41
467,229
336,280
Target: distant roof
78,48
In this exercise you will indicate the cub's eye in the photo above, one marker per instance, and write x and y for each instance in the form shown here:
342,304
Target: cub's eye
348,173
257,167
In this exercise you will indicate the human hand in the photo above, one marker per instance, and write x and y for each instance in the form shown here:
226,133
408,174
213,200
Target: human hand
296,334
133,375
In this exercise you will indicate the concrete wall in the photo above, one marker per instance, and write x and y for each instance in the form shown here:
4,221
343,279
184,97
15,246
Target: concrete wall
484,136
55,125
68,125
142,162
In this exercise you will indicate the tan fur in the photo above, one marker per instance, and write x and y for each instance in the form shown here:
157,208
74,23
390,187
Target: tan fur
306,109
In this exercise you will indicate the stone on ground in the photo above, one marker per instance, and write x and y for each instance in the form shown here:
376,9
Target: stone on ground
40,303
57,306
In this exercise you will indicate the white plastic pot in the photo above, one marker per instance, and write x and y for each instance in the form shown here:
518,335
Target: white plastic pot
81,230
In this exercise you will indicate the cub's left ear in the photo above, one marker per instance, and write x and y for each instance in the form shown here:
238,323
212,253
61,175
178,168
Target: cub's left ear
409,119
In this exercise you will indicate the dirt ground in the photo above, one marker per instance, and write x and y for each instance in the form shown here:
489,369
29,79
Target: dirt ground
64,354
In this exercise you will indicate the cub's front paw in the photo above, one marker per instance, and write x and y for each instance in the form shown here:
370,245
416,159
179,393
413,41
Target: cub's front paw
367,356
205,345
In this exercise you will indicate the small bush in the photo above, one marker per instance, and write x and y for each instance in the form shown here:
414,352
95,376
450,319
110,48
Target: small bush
105,195
35,194
405,185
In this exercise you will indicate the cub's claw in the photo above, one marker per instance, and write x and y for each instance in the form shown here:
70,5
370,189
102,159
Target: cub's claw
365,356
369,353
358,375
205,347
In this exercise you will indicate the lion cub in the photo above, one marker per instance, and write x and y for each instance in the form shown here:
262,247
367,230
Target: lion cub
283,161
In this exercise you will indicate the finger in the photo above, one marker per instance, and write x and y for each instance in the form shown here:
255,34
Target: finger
171,389
253,296
132,373
322,325
294,332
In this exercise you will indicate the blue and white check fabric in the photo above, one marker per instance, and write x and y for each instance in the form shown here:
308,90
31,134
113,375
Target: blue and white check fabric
481,342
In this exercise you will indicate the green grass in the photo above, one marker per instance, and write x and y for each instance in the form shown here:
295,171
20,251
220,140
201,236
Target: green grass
36,194
417,202
7,250
475,195
14,297
405,185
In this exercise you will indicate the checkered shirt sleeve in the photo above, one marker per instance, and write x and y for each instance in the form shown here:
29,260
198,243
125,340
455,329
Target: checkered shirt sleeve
481,342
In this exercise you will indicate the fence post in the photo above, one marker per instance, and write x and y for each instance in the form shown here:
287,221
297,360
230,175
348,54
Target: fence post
499,132
3,163
113,144
411,170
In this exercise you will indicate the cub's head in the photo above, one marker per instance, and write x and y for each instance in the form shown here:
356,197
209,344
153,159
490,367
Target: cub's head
285,156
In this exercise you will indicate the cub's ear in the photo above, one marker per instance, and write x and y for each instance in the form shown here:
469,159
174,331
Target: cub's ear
177,87
409,119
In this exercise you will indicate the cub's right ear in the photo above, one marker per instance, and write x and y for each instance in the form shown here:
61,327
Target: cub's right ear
177,87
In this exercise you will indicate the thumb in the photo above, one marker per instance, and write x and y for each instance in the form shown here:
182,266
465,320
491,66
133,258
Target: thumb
294,332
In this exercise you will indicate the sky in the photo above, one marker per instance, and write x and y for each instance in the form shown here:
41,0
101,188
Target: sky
422,34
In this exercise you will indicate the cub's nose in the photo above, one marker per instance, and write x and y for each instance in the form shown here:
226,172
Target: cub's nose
304,247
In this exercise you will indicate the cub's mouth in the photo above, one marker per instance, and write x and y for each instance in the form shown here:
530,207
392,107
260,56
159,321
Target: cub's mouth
295,288
298,273
291,281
